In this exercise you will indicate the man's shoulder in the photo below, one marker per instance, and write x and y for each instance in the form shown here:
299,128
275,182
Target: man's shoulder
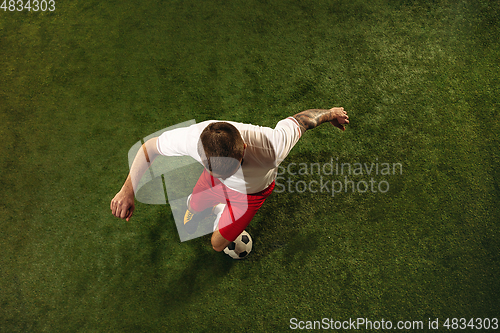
248,131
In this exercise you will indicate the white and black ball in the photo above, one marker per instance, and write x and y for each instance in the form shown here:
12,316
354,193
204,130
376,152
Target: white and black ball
241,247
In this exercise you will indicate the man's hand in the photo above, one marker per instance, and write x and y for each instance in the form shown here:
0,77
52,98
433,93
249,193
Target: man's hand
339,117
310,119
123,204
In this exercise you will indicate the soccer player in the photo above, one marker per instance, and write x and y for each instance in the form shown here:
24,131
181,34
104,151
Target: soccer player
240,161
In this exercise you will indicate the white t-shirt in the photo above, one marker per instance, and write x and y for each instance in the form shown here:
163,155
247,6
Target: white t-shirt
266,149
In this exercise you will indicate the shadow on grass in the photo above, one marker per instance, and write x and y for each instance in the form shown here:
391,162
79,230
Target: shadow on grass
300,247
184,282
196,279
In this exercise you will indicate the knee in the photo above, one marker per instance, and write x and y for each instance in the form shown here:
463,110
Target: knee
217,248
219,243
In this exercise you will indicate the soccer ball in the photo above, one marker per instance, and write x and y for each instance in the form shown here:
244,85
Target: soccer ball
241,246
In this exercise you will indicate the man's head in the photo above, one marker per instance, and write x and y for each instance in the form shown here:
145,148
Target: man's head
221,149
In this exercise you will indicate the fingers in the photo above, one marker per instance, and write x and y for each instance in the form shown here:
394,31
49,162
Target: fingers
113,207
339,113
121,209
340,118
123,212
130,213
343,118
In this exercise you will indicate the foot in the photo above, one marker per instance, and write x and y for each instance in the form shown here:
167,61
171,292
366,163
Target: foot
192,219
217,211
190,222
188,217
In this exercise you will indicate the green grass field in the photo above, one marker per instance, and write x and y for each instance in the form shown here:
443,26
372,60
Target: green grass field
80,85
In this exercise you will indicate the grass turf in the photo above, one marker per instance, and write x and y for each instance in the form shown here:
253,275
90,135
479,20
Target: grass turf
82,84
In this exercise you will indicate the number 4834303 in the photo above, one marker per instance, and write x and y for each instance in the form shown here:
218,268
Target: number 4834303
29,5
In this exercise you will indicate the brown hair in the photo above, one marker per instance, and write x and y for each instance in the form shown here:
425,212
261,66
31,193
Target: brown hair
221,148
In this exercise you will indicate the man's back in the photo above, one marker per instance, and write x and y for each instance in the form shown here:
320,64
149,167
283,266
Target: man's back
266,149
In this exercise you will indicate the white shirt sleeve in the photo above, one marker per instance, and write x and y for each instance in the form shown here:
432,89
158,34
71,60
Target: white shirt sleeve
172,143
285,135
181,141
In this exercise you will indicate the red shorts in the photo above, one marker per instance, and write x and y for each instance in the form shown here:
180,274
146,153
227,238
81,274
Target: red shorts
240,208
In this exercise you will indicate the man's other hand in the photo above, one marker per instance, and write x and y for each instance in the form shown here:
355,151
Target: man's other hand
339,117
123,204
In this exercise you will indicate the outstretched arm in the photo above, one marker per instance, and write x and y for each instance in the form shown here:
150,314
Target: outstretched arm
310,119
123,205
